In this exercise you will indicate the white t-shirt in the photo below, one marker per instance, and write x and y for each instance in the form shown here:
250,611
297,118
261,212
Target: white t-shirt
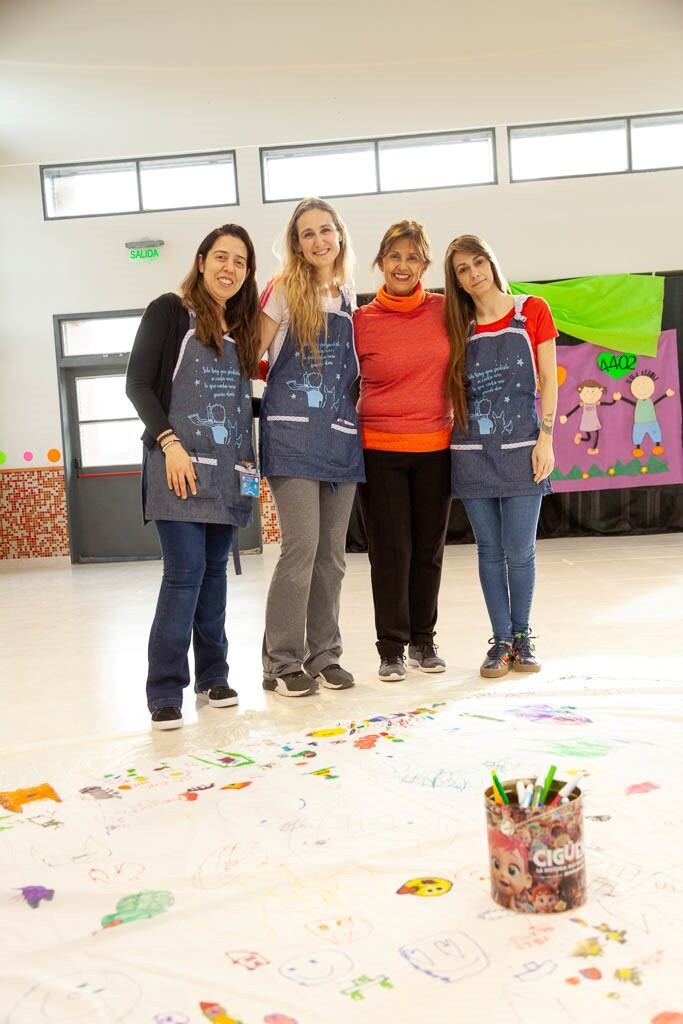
274,305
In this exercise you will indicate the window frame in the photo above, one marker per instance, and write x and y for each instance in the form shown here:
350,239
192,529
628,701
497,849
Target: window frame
137,160
628,120
374,141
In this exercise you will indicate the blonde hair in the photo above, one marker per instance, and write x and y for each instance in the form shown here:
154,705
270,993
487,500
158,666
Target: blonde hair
460,312
302,293
410,229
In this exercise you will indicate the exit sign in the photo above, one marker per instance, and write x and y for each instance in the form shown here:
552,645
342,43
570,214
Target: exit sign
144,254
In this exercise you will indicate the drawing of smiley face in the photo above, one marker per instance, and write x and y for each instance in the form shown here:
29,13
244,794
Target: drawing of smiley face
425,887
86,996
317,968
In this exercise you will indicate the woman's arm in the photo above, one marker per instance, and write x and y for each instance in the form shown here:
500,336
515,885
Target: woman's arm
542,456
269,329
144,367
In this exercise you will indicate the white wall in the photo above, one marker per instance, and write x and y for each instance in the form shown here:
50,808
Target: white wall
540,230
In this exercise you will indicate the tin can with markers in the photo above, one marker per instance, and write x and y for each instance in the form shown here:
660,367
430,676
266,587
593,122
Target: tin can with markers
536,855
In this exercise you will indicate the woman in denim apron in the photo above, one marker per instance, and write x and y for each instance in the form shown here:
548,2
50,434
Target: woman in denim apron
189,380
310,449
501,454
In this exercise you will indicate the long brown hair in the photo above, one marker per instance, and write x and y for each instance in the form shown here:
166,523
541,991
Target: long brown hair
297,277
460,312
241,312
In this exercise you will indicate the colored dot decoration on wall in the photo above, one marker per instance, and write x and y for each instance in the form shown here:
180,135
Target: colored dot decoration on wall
3,457
54,455
28,456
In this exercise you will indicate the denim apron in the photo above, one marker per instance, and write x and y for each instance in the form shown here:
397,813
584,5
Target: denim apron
493,459
308,422
211,414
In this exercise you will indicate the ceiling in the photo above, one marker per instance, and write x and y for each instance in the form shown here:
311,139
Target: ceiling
226,35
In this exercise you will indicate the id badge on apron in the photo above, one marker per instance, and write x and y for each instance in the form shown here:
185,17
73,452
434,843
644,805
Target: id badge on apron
250,483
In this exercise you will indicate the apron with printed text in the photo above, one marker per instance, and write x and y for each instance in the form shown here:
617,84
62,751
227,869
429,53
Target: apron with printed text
211,414
493,459
308,422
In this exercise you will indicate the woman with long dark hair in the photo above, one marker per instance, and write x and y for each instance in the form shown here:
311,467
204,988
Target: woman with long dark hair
502,355
189,380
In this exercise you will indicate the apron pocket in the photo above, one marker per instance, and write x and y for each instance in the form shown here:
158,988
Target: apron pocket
206,468
285,436
468,467
343,443
514,462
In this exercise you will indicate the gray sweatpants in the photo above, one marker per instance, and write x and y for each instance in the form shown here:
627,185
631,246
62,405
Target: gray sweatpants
302,610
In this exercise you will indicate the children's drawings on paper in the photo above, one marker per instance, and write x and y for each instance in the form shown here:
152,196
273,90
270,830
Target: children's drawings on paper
14,800
318,968
425,887
138,907
246,958
341,930
358,989
81,996
449,956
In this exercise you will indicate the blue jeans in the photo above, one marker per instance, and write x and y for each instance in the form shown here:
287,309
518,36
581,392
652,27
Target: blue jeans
191,607
505,532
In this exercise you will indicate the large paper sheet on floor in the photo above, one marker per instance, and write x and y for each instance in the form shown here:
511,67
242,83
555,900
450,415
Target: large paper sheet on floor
258,880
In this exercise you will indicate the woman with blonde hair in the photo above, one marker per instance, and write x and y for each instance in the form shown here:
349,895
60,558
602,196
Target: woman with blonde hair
189,381
502,347
310,448
406,420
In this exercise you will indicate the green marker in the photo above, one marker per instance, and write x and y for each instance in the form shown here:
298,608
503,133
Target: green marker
499,787
536,797
548,782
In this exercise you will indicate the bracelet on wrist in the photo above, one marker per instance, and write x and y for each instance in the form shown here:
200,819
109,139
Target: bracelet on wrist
168,444
165,433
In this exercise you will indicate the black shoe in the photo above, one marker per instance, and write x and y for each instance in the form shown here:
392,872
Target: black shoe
291,684
424,657
167,718
220,696
392,668
334,677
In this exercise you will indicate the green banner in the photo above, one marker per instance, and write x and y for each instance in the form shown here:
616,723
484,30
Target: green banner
617,311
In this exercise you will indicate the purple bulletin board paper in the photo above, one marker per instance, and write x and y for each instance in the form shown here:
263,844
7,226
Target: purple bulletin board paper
617,462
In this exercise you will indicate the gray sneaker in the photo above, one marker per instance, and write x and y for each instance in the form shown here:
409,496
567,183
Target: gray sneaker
392,669
291,684
334,677
424,657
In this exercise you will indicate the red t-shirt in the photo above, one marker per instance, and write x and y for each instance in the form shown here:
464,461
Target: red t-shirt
539,323
403,360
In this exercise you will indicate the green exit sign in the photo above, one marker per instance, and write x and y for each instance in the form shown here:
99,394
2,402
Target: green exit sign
144,254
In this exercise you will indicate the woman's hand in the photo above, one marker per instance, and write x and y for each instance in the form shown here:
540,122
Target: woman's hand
180,472
542,458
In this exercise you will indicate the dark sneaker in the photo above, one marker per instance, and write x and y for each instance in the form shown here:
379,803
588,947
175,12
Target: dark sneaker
221,696
334,677
291,684
424,657
167,718
498,660
392,669
525,655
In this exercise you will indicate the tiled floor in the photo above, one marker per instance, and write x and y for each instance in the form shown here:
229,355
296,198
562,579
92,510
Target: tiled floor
73,638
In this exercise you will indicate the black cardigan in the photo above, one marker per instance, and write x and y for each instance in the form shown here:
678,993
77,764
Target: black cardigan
155,351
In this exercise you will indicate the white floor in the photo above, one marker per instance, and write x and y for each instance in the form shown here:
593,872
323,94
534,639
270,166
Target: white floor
73,638
280,898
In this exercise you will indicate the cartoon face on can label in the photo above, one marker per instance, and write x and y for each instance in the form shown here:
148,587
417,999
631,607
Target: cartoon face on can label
317,968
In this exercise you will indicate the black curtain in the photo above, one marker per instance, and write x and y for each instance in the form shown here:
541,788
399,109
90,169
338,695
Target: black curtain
627,510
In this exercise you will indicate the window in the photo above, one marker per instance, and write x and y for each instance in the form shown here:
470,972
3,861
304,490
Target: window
657,142
379,165
436,161
568,150
96,336
134,186
344,169
108,426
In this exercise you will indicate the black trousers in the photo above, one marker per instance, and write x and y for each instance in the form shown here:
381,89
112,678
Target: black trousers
405,501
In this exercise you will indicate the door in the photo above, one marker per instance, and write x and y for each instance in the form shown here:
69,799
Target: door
102,447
